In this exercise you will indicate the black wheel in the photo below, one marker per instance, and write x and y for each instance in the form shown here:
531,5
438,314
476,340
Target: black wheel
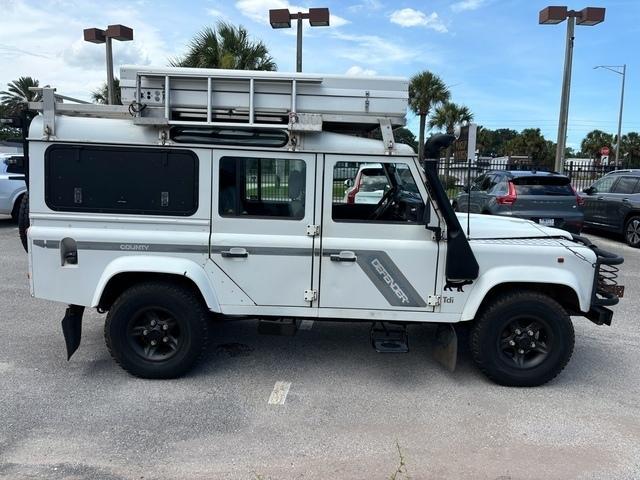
23,220
522,339
157,330
15,212
632,231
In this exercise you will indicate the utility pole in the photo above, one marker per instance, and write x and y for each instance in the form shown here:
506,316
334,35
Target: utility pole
615,69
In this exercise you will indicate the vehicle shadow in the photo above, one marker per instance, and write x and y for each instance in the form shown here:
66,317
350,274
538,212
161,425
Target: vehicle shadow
6,222
328,348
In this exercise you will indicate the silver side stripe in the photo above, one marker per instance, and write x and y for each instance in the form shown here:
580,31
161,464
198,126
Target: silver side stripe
376,264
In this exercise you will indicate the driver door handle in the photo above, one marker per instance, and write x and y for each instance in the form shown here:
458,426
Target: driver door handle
344,256
235,252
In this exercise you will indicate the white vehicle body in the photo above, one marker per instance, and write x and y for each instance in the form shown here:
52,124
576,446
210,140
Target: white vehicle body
250,218
275,283
12,187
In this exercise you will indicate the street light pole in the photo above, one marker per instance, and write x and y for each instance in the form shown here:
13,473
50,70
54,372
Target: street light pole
299,44
564,99
110,98
614,69
281,18
97,35
553,15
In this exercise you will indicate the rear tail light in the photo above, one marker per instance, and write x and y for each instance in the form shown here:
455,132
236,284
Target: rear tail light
510,198
579,200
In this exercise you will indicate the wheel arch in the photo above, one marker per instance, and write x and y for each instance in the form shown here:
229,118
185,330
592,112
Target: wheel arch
127,271
564,292
631,213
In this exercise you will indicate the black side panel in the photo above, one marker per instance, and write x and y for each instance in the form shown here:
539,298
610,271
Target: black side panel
461,263
122,180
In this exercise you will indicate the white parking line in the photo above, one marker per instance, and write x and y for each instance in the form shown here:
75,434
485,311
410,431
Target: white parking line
279,393
306,325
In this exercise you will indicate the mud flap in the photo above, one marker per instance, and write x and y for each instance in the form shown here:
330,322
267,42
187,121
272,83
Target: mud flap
445,346
72,328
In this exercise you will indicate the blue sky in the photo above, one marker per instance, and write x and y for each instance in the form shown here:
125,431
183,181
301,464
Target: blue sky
494,56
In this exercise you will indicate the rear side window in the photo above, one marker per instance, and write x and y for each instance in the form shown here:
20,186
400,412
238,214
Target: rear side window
120,180
543,186
626,185
262,188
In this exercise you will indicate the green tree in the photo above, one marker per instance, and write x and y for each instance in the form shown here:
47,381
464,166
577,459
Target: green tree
531,142
446,117
226,46
594,141
492,143
631,149
426,90
18,93
7,132
101,94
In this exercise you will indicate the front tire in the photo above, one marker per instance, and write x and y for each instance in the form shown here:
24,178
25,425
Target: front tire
157,330
522,339
632,231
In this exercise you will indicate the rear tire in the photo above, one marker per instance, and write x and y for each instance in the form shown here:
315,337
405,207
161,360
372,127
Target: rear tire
15,213
23,220
522,339
632,231
157,330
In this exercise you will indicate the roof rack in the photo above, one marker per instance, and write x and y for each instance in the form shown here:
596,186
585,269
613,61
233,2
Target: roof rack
297,102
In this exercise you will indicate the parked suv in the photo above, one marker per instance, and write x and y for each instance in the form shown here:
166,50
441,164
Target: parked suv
546,198
12,184
613,203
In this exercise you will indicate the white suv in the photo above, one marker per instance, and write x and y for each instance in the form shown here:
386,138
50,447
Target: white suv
12,184
165,223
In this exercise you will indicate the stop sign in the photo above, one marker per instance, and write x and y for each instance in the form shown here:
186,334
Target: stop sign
604,151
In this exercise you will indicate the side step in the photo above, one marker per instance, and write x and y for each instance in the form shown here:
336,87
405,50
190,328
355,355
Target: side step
389,337
278,326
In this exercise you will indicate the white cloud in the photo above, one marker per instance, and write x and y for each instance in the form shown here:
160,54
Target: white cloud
371,49
358,71
215,12
365,5
408,17
258,11
467,5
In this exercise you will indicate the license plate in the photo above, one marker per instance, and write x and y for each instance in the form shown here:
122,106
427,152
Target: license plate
547,222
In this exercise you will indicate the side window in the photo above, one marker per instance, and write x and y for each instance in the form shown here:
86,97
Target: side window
625,185
500,188
488,183
604,184
377,192
121,180
477,183
262,187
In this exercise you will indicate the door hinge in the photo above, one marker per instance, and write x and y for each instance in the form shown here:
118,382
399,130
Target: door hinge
434,300
310,295
313,230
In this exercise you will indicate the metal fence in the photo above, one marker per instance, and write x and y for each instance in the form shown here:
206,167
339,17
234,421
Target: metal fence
456,175
274,174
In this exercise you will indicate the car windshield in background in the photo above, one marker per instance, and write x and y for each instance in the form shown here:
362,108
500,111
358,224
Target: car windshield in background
543,186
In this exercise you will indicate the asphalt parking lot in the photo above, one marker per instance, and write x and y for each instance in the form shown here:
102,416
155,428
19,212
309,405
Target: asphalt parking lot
349,413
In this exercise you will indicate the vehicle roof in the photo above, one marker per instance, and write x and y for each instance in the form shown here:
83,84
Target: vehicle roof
122,131
528,173
628,171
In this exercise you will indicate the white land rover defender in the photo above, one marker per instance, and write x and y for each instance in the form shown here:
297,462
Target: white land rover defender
220,193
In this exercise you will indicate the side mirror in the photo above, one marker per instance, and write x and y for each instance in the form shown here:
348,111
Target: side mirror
466,189
348,182
589,190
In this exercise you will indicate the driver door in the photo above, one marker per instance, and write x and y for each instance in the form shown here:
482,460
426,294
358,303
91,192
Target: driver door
373,259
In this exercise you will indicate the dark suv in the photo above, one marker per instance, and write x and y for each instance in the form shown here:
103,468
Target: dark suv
613,203
547,198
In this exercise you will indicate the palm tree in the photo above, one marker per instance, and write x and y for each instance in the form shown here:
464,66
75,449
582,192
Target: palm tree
594,141
18,93
101,94
447,116
226,46
426,90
